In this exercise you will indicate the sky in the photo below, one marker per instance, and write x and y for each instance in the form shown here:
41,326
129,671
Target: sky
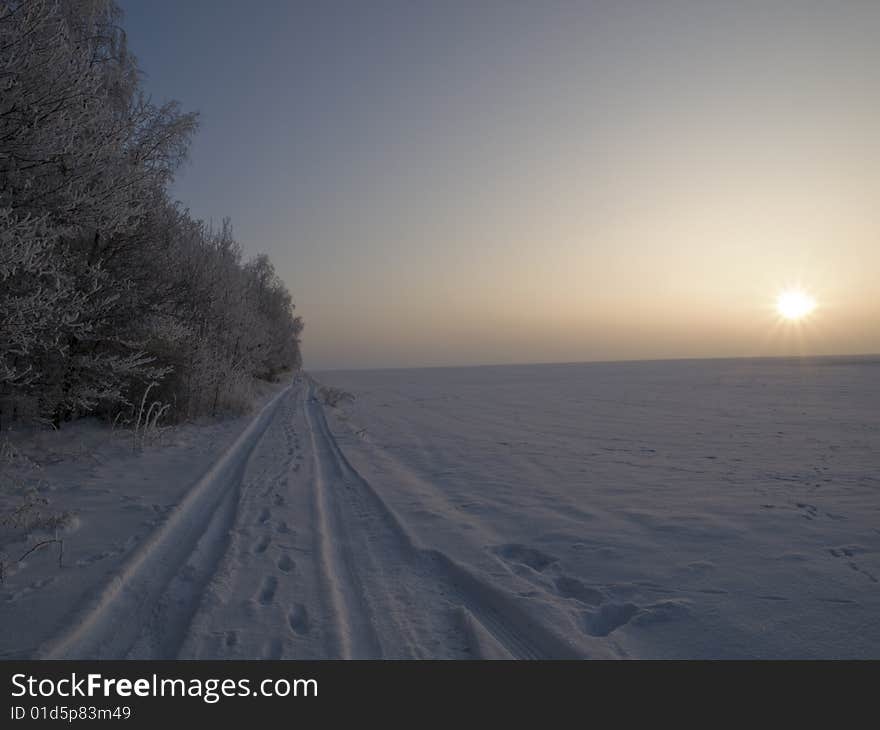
455,183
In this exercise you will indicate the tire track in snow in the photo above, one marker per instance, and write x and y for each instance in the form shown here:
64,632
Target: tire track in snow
487,607
274,601
356,636
248,550
178,558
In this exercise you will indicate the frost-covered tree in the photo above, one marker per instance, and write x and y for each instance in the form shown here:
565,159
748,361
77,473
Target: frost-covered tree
81,155
106,286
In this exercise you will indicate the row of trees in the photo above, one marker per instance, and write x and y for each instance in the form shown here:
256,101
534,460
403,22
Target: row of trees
107,286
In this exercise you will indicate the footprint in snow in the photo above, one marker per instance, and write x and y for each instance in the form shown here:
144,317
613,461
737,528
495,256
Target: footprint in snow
810,511
851,551
298,618
569,587
609,617
267,592
274,649
662,612
843,551
532,557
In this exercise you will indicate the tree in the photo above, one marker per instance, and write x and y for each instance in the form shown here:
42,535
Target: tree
106,286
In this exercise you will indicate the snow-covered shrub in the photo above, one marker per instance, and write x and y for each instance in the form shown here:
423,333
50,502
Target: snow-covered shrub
27,520
334,397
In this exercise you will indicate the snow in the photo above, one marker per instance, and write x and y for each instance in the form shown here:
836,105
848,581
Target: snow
668,509
119,498
689,509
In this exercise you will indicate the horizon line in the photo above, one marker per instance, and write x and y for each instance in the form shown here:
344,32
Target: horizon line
623,361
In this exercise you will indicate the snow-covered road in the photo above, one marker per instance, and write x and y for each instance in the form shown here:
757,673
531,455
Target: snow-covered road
283,550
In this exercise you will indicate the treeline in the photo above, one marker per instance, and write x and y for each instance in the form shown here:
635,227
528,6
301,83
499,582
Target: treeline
107,286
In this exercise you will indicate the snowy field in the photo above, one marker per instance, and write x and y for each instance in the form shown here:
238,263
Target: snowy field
711,509
669,509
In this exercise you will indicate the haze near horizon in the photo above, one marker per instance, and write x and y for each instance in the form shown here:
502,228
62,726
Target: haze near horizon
471,183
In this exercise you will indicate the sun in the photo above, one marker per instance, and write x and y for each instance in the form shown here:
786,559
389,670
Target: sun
794,304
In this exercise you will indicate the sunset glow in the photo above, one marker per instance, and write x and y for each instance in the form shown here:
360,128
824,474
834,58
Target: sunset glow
794,304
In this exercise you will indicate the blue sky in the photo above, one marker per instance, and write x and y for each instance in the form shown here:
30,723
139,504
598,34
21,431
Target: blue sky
481,182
